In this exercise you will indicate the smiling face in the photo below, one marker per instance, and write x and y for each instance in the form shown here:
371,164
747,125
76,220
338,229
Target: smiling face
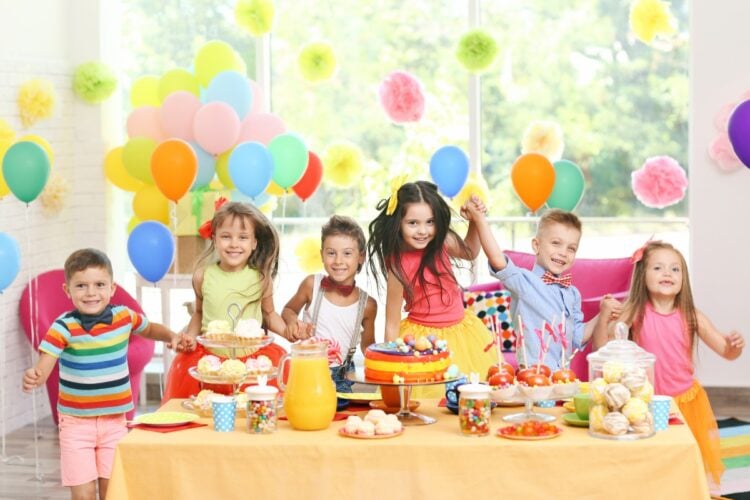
555,247
664,273
234,241
90,289
418,226
342,258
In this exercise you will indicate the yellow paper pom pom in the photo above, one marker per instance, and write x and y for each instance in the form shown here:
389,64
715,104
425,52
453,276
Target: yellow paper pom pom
36,101
545,138
308,254
55,194
474,185
317,62
7,134
342,163
256,16
649,18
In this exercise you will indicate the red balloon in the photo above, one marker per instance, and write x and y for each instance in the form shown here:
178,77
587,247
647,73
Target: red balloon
310,180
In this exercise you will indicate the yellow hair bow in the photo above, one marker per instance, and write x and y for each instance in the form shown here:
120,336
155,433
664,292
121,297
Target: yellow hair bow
396,184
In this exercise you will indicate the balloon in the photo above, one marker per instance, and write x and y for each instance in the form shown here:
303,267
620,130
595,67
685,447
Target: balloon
222,169
569,185
177,113
213,58
145,122
289,159
533,178
310,180
10,256
739,132
136,157
4,189
275,190
150,204
132,223
145,92
151,250
261,127
206,167
232,88
449,168
43,143
216,127
174,166
115,172
251,167
26,170
175,80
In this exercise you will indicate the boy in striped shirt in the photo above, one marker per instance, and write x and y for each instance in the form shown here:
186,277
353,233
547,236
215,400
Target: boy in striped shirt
91,343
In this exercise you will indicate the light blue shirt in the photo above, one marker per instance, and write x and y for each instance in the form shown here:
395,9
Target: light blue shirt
535,302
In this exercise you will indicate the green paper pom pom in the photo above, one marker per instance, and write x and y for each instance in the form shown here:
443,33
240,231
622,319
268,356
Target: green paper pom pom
476,51
94,82
317,62
256,16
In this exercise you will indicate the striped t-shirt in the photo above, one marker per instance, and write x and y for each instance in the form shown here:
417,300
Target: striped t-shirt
94,376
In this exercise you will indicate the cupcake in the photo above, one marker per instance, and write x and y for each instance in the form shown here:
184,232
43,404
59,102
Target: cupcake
232,370
209,365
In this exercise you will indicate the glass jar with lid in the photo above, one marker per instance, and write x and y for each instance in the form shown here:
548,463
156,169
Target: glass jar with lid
621,384
474,409
261,407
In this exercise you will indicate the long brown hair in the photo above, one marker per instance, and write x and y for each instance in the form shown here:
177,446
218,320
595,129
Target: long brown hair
635,306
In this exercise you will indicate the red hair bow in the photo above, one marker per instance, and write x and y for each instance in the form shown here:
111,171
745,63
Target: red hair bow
638,254
205,231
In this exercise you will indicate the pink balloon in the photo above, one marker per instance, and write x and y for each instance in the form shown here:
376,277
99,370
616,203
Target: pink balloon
177,113
261,127
216,127
145,122
257,105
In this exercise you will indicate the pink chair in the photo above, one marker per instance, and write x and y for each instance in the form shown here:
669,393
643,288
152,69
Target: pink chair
594,278
50,302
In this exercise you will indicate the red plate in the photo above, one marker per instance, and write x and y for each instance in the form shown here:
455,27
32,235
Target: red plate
342,432
504,432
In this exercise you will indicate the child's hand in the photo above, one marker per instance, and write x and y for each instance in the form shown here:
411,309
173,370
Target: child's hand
184,342
32,378
610,308
300,331
473,209
735,343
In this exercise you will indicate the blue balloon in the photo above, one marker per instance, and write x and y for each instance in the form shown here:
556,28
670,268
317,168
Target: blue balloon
232,88
206,167
151,250
258,201
251,168
449,168
10,260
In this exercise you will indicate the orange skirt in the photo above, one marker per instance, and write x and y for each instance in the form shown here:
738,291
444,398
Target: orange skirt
696,408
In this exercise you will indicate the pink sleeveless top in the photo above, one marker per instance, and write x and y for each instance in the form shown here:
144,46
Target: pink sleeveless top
439,303
665,335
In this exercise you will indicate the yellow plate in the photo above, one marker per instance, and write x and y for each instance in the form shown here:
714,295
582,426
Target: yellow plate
165,418
364,397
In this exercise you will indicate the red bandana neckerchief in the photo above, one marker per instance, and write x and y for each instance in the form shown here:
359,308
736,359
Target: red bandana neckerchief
328,284
563,281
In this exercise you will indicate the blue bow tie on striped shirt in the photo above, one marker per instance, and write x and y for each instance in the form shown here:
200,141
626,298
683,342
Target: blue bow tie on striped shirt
88,321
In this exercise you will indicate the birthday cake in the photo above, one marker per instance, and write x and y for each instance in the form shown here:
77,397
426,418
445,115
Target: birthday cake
408,360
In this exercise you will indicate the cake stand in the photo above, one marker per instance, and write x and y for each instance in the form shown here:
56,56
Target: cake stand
405,416
233,347
529,396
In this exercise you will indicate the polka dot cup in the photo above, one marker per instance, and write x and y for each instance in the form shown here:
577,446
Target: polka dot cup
660,407
224,409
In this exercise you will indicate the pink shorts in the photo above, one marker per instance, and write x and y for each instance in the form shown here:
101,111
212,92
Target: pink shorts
87,447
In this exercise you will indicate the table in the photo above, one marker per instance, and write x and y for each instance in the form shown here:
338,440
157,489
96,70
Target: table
432,461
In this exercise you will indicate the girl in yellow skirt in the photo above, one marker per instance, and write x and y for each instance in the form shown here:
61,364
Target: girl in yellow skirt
665,322
411,246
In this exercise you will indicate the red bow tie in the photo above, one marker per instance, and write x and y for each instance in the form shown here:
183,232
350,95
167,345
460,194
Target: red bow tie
563,281
328,284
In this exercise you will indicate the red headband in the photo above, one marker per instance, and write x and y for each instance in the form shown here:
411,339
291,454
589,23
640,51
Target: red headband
205,230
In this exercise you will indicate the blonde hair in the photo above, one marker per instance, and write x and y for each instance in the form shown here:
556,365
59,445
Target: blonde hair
557,216
635,306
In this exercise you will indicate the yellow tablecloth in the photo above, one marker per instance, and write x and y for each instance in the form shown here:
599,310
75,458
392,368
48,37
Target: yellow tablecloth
431,461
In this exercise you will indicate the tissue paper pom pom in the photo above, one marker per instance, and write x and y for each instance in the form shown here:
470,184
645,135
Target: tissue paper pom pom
401,97
476,51
545,138
36,100
7,134
649,18
54,195
660,182
473,186
317,62
722,153
342,163
94,82
256,16
308,254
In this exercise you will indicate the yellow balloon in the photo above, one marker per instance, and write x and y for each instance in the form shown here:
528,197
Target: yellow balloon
275,190
177,79
213,58
136,157
150,204
475,185
4,189
43,143
114,171
134,221
222,169
145,92
7,134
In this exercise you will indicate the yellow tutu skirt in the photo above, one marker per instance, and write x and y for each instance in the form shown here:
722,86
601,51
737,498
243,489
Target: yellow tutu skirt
696,408
466,342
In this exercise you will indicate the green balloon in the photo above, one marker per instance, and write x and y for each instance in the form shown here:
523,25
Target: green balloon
290,159
26,170
136,158
569,185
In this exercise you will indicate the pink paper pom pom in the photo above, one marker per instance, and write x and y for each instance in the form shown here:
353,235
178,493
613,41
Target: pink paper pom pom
660,182
401,97
722,153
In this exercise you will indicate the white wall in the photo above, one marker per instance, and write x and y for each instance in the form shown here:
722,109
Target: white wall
719,202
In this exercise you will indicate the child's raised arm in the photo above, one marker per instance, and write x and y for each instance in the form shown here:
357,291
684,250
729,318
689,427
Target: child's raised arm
290,313
393,302
475,212
727,346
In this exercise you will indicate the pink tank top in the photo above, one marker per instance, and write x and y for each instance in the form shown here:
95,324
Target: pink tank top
665,336
439,303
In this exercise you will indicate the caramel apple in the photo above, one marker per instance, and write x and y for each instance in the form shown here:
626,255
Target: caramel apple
501,379
563,376
507,367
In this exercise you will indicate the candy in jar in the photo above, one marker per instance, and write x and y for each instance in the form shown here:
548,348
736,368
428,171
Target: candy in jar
474,409
261,408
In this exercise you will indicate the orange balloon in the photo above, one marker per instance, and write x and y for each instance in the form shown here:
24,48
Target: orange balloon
174,167
533,178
